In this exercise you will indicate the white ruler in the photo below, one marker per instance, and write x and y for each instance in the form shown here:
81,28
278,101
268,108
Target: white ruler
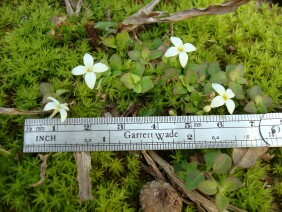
152,133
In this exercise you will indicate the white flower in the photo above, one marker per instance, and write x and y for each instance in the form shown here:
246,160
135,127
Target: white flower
181,49
224,97
89,69
57,107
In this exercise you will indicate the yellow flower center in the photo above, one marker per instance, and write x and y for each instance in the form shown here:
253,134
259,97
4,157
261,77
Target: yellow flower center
89,69
225,97
180,48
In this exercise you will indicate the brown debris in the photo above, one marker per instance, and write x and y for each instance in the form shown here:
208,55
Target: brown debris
160,196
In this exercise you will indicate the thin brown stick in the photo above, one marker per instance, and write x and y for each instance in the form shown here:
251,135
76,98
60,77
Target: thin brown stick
14,111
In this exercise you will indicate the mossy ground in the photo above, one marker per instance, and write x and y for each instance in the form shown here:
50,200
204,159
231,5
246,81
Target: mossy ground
29,55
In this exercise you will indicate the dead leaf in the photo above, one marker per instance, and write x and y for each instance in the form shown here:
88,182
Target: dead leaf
43,167
14,111
83,162
59,20
146,15
73,6
267,157
247,157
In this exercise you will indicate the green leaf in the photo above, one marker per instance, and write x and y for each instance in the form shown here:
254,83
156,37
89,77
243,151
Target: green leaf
107,26
208,187
46,88
59,92
146,84
210,157
191,77
110,42
231,184
267,101
138,69
179,88
136,78
242,80
193,179
138,88
192,166
190,88
222,164
219,77
145,53
251,107
135,55
221,202
122,39
195,97
213,68
230,68
237,89
115,62
156,43
240,69
208,88
128,81
254,91
190,108
233,75
261,108
154,54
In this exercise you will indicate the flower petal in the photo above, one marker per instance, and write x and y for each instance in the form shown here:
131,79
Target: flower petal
53,100
88,60
230,105
50,106
90,79
100,67
79,70
64,106
63,115
183,57
217,101
172,51
218,88
188,47
176,41
230,93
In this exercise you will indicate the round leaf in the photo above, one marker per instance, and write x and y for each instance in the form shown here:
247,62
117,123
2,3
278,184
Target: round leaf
267,101
127,80
251,107
145,53
46,88
146,84
115,62
135,55
193,179
191,77
222,164
219,77
137,69
208,187
237,89
221,202
179,88
254,91
213,68
110,42
138,88
210,157
231,184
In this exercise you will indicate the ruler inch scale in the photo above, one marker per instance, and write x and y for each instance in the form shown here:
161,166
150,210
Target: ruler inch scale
152,133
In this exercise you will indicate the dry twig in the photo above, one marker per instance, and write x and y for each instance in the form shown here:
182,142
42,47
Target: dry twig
146,15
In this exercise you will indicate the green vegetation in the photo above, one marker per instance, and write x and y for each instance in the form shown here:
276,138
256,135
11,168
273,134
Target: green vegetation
33,50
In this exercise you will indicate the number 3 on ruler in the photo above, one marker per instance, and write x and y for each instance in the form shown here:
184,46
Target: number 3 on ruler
120,127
